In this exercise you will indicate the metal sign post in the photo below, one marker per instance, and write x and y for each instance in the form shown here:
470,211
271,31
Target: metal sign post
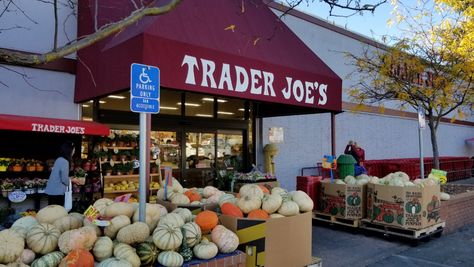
421,126
144,99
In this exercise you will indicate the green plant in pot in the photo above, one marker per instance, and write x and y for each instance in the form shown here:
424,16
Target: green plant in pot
80,175
107,169
101,155
124,155
4,162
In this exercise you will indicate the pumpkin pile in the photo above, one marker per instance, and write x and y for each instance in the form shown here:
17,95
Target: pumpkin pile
257,202
56,238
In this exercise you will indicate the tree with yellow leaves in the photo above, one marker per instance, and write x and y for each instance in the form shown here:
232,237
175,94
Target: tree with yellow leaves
430,67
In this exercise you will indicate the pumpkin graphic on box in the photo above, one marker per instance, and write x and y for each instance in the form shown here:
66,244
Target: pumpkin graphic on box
354,199
413,206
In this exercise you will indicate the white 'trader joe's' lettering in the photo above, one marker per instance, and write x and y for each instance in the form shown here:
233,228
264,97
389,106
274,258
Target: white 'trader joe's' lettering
242,82
208,68
322,92
192,63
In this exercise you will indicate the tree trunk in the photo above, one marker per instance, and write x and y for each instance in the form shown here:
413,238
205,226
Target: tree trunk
434,142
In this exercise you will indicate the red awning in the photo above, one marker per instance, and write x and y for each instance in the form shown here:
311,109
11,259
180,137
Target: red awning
220,47
37,124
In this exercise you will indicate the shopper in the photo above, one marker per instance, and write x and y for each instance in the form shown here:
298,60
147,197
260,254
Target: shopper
59,177
350,150
360,153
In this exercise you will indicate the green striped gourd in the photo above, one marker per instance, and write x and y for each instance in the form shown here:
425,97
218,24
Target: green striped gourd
114,262
48,260
148,253
185,250
126,252
170,259
192,234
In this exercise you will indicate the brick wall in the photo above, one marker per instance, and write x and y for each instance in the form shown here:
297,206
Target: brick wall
458,211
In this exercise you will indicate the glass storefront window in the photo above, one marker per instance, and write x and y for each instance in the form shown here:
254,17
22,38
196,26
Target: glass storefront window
170,153
230,150
200,150
197,105
230,109
87,110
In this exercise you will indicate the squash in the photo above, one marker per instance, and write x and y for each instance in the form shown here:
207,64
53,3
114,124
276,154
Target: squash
169,193
184,249
83,237
153,213
193,195
305,203
134,233
207,220
77,215
50,214
148,253
103,248
43,238
170,259
26,222
180,199
88,223
192,233
251,190
184,213
114,262
78,258
11,246
21,231
205,250
48,260
167,237
209,191
67,223
226,240
119,208
215,198
116,224
248,203
28,256
102,203
224,198
271,203
126,252
264,189
289,208
276,215
278,190
15,264
230,209
163,210
172,219
258,214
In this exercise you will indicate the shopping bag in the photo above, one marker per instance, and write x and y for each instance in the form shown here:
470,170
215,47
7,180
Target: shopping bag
68,197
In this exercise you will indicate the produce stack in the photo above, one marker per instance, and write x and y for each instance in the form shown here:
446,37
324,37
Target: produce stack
56,238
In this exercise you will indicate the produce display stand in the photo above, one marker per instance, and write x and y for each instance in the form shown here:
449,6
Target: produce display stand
233,259
330,219
413,234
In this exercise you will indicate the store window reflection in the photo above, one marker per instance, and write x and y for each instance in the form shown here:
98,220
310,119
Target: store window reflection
230,150
199,105
228,108
200,150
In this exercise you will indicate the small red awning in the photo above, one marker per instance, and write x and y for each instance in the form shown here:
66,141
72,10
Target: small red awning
48,125
220,47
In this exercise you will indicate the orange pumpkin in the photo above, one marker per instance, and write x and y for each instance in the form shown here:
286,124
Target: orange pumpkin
78,258
232,210
258,214
207,220
264,189
193,195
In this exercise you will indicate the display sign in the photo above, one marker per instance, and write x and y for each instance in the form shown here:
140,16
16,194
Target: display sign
91,214
275,135
123,198
144,88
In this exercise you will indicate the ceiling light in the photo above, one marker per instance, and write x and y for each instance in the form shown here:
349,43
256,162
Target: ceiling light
204,115
169,108
86,119
85,105
225,113
190,104
241,109
92,101
102,102
117,96
212,100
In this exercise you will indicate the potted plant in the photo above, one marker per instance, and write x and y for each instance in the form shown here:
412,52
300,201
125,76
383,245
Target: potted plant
102,155
119,169
111,139
40,184
17,165
80,174
120,140
86,165
39,166
107,169
134,154
29,186
153,167
6,186
113,154
133,140
31,165
128,167
4,162
124,155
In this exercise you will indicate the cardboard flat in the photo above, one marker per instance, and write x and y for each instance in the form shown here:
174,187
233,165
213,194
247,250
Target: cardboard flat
274,242
343,201
195,209
407,207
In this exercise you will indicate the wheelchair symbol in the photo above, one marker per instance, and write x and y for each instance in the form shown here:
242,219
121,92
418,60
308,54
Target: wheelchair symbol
144,77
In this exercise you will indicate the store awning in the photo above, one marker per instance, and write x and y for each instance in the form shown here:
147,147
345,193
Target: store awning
220,47
38,124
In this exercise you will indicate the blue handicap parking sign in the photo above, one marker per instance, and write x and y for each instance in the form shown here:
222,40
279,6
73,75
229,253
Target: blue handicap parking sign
144,88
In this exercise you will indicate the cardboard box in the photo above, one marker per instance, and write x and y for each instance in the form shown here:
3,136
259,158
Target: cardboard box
274,242
195,209
343,201
408,207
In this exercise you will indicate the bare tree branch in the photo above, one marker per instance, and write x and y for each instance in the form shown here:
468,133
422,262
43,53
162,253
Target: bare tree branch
55,42
27,78
24,13
22,58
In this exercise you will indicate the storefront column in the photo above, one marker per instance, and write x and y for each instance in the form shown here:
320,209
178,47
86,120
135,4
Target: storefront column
333,133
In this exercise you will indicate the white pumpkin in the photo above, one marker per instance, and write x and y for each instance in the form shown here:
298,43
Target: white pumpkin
226,240
170,259
68,222
43,238
186,214
251,190
50,214
11,246
101,203
226,198
172,219
248,203
170,191
167,237
305,203
271,203
28,256
119,208
276,215
153,213
26,222
115,225
180,199
192,233
279,190
103,248
134,233
289,208
205,250
210,191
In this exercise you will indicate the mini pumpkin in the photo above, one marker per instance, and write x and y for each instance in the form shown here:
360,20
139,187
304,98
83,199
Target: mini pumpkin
50,214
135,233
103,248
248,203
43,238
289,208
11,246
271,203
192,233
258,214
184,213
170,259
193,195
226,240
207,220
205,250
230,209
78,258
167,237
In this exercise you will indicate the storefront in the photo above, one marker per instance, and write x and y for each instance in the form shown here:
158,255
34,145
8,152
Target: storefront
224,65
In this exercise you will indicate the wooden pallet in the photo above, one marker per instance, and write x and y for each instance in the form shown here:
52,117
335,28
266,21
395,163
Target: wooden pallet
323,217
315,262
436,229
